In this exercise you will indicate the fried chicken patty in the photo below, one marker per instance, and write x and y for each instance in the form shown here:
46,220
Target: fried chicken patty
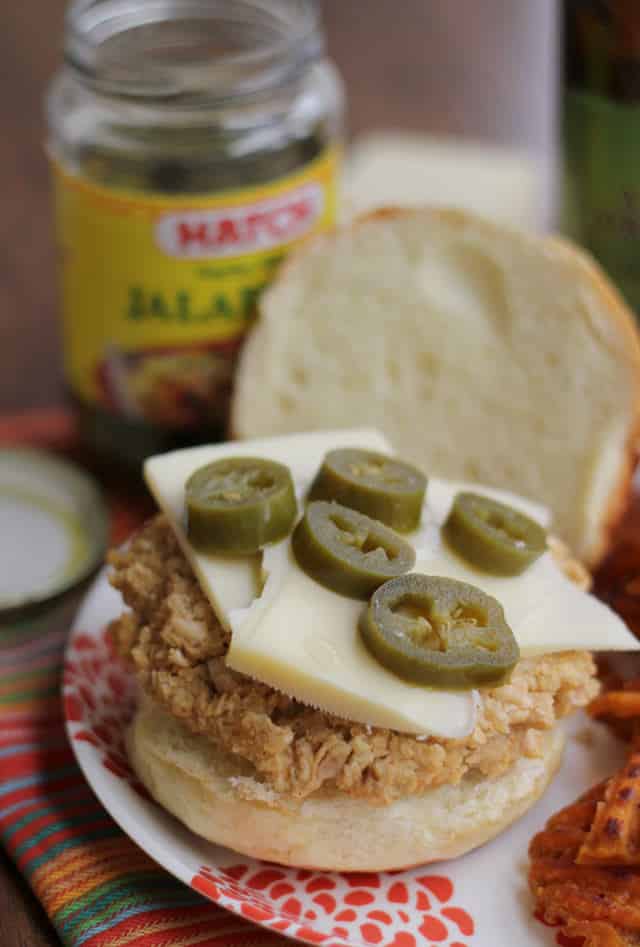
177,647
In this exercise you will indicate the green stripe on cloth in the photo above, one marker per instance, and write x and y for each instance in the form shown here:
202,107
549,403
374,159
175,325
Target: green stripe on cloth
127,894
124,883
20,697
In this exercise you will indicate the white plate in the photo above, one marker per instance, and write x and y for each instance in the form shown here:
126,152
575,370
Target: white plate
480,900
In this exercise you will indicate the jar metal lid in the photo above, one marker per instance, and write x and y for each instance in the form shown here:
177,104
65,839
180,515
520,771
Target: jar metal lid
191,51
53,527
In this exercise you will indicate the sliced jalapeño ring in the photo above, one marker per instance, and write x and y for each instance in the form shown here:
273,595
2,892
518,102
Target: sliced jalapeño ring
237,505
492,536
348,552
439,632
379,486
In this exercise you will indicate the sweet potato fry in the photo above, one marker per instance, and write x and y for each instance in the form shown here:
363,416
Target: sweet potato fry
599,904
597,934
614,837
618,706
620,703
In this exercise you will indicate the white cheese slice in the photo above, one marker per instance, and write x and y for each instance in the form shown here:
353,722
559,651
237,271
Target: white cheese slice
235,583
301,638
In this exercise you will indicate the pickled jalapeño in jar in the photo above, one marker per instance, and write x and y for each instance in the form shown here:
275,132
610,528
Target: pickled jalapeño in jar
194,143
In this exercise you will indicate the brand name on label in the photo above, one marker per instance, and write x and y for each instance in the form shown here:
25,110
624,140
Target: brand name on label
234,231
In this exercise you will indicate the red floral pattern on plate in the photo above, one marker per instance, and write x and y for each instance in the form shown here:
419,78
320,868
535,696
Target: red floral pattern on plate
390,909
99,701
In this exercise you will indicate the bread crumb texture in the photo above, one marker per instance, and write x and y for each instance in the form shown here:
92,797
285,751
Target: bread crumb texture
177,647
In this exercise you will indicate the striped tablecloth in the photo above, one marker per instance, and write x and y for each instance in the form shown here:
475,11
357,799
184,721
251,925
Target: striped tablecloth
97,887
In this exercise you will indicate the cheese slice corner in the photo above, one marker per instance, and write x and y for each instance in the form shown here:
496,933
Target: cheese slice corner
232,583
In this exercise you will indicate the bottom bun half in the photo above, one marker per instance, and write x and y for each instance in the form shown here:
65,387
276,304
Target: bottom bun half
215,795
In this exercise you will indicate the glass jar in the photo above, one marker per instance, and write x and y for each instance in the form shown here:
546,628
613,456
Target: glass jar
194,143
601,135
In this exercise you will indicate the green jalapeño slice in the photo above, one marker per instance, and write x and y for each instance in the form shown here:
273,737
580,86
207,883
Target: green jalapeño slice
379,486
348,552
439,632
493,537
237,505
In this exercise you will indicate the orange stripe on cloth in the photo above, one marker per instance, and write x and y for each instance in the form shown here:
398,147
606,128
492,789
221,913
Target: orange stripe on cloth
182,929
75,872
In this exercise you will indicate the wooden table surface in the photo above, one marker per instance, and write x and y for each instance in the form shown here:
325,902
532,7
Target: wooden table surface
447,66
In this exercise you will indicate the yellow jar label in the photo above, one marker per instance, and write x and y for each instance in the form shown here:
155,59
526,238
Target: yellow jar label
158,291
